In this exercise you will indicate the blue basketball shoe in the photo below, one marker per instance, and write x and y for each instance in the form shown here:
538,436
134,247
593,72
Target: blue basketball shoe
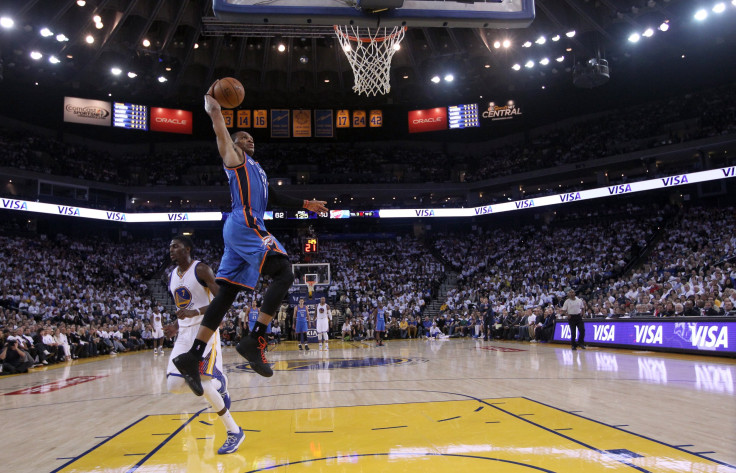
233,441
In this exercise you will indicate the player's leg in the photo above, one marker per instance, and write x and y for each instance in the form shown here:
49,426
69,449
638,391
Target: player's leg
253,347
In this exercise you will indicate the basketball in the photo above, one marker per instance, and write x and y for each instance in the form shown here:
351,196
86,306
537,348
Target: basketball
229,92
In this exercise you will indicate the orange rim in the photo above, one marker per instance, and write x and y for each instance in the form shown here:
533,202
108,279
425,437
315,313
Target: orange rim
368,40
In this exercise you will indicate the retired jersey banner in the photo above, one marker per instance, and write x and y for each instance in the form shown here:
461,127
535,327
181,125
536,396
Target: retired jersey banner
260,118
343,118
88,112
171,120
433,119
280,124
358,118
323,124
243,118
375,118
302,123
229,117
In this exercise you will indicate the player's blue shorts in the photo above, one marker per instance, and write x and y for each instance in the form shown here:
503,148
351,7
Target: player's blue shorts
301,326
245,252
380,324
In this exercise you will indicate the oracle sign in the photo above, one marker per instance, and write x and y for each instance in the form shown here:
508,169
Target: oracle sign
171,120
432,119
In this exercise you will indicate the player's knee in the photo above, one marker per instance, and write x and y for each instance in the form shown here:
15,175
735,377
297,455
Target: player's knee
176,385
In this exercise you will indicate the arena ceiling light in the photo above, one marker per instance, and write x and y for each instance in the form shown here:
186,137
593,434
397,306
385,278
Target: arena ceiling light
116,71
648,33
634,37
45,32
528,44
506,43
719,7
162,79
99,25
556,38
54,60
541,40
516,67
570,34
435,79
132,75
146,43
97,19
544,61
35,55
81,3
89,39
6,22
497,44
701,14
449,78
664,26
529,64
61,38
560,59
281,48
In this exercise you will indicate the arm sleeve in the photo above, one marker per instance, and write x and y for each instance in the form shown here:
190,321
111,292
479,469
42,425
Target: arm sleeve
280,199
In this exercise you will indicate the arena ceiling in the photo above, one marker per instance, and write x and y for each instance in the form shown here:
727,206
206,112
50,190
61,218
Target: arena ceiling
181,41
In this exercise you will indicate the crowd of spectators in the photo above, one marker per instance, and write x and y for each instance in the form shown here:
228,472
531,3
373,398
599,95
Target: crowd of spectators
675,120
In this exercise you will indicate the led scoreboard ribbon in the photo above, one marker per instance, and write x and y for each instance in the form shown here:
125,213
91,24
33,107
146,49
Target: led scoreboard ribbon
555,199
130,116
463,116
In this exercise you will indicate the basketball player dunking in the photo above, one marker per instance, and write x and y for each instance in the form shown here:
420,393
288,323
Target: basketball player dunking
379,316
191,284
301,312
250,250
324,316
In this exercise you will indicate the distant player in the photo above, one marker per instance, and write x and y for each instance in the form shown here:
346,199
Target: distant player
253,317
250,250
158,332
301,313
324,316
379,322
192,284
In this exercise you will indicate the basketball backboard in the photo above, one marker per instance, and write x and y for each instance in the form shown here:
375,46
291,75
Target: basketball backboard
419,13
316,272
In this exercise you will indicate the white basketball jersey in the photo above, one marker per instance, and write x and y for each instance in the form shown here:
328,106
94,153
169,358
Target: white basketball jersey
157,321
321,311
189,293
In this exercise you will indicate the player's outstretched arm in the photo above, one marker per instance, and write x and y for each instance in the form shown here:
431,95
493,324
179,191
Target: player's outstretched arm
230,156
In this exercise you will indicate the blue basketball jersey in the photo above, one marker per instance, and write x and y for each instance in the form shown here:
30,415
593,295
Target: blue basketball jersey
252,318
380,314
301,314
249,192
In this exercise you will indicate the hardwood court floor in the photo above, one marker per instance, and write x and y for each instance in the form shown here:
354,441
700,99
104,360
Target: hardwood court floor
414,406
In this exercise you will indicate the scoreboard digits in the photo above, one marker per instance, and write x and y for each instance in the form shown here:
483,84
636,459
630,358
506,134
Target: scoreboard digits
130,116
310,245
463,116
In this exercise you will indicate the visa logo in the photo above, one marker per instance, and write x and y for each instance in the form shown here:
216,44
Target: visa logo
525,204
648,334
483,210
712,336
424,213
570,197
652,370
620,189
604,333
64,210
729,172
116,216
565,332
178,217
14,204
674,180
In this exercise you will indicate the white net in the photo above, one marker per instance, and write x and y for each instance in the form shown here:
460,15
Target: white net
369,51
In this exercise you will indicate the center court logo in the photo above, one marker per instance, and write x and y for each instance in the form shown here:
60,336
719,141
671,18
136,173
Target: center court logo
332,364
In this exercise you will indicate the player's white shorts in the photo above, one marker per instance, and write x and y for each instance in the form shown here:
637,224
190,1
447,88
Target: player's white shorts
323,326
212,352
159,333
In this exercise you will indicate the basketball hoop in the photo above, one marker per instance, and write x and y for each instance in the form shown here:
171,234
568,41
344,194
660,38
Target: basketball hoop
310,287
369,52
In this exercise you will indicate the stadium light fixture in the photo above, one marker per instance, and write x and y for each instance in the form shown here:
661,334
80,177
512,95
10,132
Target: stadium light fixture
544,61
497,44
570,34
35,55
506,43
81,3
162,79
281,48
556,38
97,19
664,26
719,7
116,71
529,64
61,38
449,78
701,14
132,75
99,25
528,44
146,43
516,67
435,79
45,32
648,33
560,59
634,37
7,22
397,46
541,40
54,60
89,39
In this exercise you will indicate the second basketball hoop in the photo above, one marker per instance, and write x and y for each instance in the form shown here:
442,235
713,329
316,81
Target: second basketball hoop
369,52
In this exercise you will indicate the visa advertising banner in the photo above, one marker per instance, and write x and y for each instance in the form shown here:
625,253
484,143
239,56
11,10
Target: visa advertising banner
171,120
705,336
433,119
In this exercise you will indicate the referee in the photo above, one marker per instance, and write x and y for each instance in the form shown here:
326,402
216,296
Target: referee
575,309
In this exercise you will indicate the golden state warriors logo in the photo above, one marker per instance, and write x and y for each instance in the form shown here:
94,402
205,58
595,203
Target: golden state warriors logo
182,297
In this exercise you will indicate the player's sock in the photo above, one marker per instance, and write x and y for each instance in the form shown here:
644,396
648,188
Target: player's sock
198,348
229,422
259,330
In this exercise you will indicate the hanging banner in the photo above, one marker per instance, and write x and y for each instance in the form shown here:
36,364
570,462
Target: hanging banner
302,123
358,118
88,112
228,115
343,118
279,123
432,119
496,111
243,118
171,120
260,119
323,124
375,118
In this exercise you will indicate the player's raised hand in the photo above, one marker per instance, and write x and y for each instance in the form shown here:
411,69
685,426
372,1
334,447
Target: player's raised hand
316,205
210,104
